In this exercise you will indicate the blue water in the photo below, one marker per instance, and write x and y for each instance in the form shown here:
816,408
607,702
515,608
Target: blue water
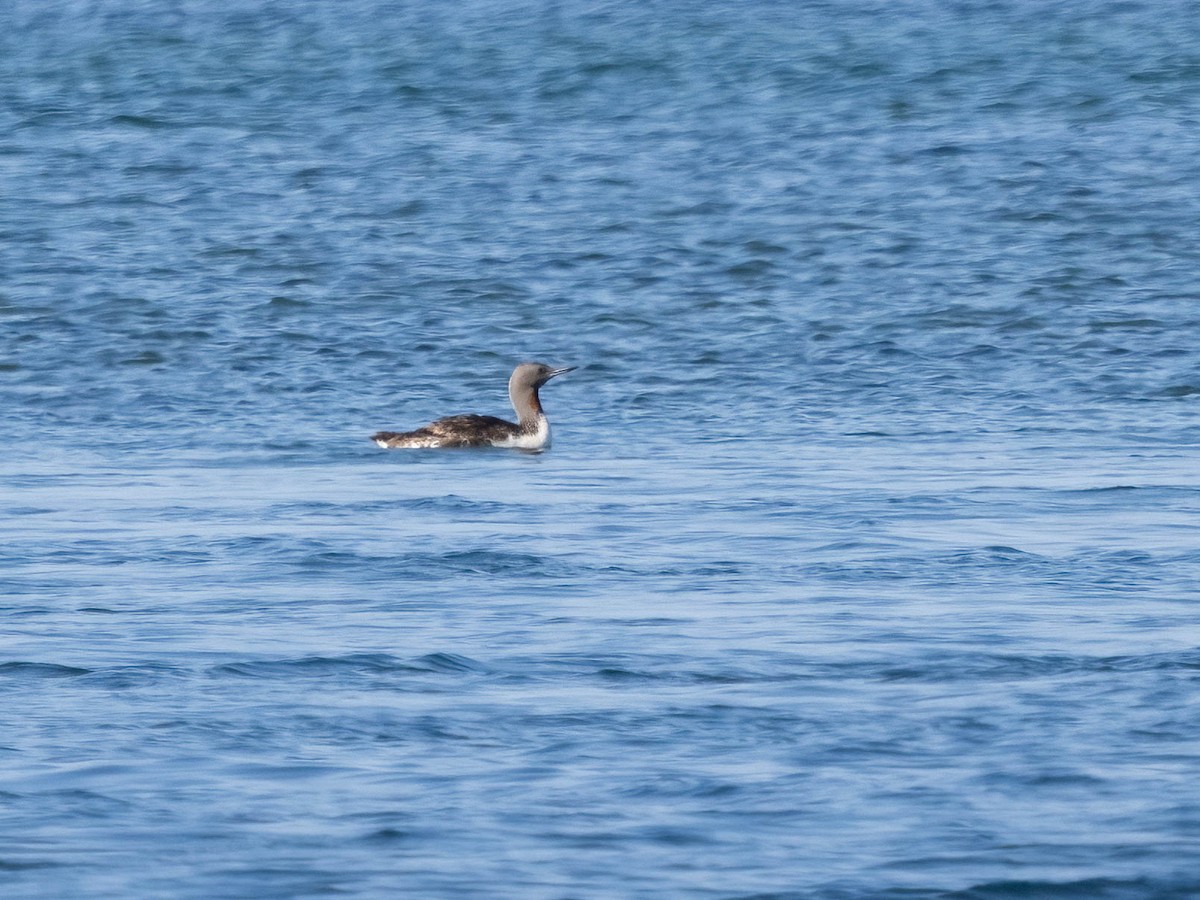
865,560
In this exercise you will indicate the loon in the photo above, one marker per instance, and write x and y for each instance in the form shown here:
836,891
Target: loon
531,431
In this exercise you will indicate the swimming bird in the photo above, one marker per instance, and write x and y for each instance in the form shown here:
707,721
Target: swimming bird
530,432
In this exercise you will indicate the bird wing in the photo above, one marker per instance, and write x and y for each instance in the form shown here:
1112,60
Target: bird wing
468,430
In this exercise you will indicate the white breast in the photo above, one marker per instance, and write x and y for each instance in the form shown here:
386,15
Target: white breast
537,440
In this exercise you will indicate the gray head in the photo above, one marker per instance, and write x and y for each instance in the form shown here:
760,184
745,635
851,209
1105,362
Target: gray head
532,375
523,387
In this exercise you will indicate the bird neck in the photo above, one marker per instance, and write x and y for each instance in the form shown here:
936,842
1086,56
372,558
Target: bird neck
527,405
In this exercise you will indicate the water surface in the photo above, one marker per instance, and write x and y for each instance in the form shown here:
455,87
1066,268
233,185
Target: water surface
863,564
